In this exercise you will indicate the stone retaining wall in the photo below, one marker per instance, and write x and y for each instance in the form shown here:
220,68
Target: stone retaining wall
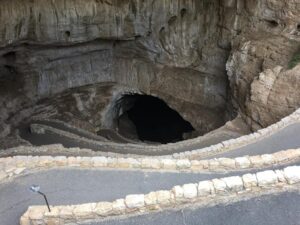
12,166
136,150
178,195
243,140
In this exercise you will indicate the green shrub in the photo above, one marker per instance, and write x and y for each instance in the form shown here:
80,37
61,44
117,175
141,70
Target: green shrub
295,60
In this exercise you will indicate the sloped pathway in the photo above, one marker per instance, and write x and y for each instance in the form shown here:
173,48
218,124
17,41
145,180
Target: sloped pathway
267,210
75,186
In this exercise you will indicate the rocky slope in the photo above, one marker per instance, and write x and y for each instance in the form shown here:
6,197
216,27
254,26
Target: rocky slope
263,84
199,56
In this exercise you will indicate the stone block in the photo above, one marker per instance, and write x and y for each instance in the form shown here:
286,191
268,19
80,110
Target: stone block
151,199
227,163
54,221
190,191
64,212
84,211
249,180
204,164
196,165
112,162
293,153
37,212
118,206
56,211
266,178
99,161
168,164
226,143
46,161
86,162
234,183
149,163
205,188
24,221
292,174
263,131
60,160
36,161
242,162
219,185
135,201
21,161
213,164
163,197
256,161
178,192
104,208
134,163
182,155
286,120
73,162
280,176
281,156
123,163
187,154
183,164
268,159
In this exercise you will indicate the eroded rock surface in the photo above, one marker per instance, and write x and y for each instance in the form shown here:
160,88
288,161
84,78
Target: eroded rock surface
75,59
268,37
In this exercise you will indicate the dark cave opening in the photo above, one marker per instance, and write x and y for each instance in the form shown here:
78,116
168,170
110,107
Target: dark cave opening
151,119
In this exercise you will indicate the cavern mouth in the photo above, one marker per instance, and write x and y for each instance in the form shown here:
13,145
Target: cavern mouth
150,119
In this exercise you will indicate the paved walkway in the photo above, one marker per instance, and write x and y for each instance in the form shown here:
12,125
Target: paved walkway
76,186
287,138
266,210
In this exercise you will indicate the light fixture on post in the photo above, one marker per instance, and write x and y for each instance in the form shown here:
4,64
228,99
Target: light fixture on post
36,189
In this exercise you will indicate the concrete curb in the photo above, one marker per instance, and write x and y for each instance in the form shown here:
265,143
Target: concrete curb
178,195
13,166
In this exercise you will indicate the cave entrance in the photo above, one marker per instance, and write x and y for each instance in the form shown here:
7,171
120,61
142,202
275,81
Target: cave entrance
150,119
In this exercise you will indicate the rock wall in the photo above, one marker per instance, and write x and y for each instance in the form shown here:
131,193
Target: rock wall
162,48
267,36
176,50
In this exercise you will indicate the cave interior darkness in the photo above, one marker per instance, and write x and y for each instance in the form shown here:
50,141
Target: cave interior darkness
150,119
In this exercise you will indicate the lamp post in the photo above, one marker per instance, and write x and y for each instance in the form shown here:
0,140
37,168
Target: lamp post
36,189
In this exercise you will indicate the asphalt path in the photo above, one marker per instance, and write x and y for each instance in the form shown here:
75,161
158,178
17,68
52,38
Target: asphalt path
77,186
74,186
287,138
281,209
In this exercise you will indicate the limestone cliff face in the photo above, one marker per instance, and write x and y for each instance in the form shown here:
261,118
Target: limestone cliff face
268,37
163,48
274,92
176,50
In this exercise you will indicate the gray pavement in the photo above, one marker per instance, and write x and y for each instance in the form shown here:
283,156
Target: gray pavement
282,209
71,186
76,186
286,138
